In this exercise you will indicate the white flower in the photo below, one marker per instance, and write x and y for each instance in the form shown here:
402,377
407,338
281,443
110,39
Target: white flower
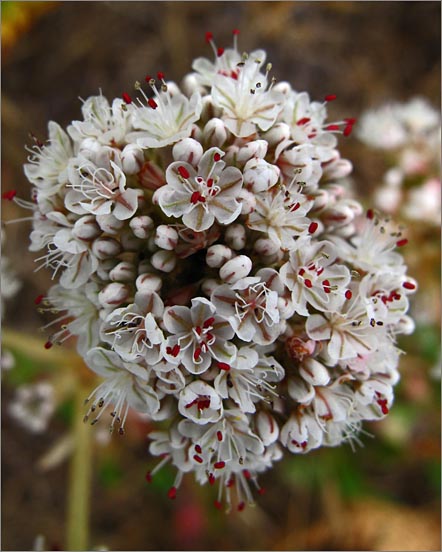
204,195
198,336
167,118
33,406
313,276
251,306
200,403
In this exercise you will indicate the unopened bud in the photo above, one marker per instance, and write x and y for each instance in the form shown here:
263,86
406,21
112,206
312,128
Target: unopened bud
132,159
217,255
104,248
259,175
235,236
236,269
142,226
278,133
265,246
188,150
248,201
164,260
209,285
166,237
110,224
314,372
215,133
123,272
256,148
267,427
114,294
148,282
86,228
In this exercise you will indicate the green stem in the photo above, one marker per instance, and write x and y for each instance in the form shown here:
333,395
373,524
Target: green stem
80,479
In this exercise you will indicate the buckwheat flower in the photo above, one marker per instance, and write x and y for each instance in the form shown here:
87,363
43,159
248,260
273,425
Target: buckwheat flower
104,123
347,330
200,403
33,406
133,332
312,275
251,306
246,100
301,433
198,336
166,119
281,216
204,195
47,164
126,385
99,186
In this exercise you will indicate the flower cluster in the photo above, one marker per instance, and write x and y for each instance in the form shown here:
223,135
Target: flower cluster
410,136
217,277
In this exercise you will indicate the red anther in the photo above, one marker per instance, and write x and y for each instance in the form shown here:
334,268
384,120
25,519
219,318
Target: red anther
209,36
216,157
209,182
303,121
198,449
182,171
220,52
126,97
148,78
219,435
152,103
326,286
48,344
235,32
330,97
301,272
39,299
217,504
9,195
209,322
348,294
203,403
198,330
308,283
295,207
332,127
197,353
350,120
383,404
313,227
348,129
171,493
219,465
223,366
230,482
173,350
197,196
160,76
211,479
198,459
241,506
400,243
408,285
247,474
148,477
261,491
370,214
303,444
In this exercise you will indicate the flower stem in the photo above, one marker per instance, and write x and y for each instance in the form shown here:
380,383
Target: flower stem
80,480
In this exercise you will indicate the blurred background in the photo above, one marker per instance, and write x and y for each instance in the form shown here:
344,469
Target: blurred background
385,495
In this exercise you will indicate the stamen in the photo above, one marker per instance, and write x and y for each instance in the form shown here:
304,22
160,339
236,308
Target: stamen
9,195
126,98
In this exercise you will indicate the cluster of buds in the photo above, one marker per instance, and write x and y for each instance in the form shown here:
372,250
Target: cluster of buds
217,277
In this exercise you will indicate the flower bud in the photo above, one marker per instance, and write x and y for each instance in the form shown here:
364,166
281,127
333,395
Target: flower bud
257,148
268,429
235,236
265,246
109,224
104,268
148,282
338,168
283,87
231,154
123,272
132,159
248,201
217,255
277,134
215,132
141,226
89,146
188,150
236,269
86,228
190,84
164,260
259,175
314,372
104,248
166,237
114,294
